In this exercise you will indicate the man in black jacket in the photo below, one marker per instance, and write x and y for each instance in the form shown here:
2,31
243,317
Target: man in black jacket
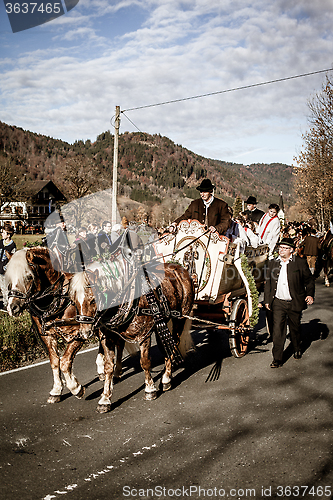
253,213
289,289
210,211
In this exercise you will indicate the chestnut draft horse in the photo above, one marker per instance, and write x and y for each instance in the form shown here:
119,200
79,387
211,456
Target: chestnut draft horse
326,256
133,320
60,305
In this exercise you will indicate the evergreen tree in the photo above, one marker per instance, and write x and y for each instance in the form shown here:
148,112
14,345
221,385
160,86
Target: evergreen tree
238,206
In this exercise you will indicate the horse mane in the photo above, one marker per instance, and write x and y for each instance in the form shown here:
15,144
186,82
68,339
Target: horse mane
18,269
79,282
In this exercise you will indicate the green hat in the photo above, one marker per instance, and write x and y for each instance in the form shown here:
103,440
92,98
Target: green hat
288,242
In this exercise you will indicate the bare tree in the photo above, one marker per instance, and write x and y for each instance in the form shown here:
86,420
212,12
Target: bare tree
314,171
8,181
82,177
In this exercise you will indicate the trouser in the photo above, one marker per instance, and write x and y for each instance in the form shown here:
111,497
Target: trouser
282,311
4,290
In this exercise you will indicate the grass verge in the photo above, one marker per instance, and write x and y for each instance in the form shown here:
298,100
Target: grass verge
18,344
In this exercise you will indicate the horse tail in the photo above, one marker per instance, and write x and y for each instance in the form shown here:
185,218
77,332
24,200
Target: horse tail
132,348
186,342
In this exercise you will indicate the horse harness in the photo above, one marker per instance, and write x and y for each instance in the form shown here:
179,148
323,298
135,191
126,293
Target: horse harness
59,303
127,310
159,309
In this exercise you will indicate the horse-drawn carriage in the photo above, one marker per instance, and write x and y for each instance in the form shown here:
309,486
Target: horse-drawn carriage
226,276
192,267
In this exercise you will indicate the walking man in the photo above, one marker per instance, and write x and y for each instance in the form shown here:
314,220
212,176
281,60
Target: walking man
289,289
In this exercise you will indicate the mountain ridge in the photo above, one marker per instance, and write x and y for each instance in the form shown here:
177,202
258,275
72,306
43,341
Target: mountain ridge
151,168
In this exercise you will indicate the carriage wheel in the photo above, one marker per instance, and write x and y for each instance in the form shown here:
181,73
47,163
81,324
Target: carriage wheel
238,339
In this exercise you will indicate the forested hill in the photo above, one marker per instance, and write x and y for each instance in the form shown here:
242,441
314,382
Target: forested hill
151,167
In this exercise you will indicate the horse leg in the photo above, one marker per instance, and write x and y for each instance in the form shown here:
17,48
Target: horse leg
119,366
145,362
100,362
181,333
167,374
326,280
108,344
66,366
52,347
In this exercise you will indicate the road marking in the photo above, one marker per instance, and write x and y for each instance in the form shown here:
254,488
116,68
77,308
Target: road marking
42,363
118,464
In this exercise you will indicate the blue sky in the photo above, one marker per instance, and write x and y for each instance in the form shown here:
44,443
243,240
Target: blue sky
65,78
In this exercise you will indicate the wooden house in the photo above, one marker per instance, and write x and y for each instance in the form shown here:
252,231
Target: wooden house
35,201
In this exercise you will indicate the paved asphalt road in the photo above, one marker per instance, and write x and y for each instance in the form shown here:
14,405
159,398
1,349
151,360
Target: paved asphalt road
230,428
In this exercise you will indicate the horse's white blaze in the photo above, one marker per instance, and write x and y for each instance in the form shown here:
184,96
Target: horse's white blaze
18,275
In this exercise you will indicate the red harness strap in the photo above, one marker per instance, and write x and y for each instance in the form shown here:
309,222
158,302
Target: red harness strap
270,220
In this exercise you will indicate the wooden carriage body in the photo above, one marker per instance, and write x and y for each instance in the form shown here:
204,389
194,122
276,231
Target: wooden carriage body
223,293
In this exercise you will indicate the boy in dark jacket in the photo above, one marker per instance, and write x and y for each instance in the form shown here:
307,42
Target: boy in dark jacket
7,249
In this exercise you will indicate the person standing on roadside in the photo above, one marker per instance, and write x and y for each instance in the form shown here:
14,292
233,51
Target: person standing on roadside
289,289
7,249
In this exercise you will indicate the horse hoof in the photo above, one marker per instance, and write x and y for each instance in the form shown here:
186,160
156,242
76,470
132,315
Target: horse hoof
150,396
81,392
166,387
116,380
53,399
103,408
101,377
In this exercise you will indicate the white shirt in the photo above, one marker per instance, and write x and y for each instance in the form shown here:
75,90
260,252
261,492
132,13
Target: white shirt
272,232
282,289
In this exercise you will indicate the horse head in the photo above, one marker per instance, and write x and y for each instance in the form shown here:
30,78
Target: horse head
28,272
82,291
20,281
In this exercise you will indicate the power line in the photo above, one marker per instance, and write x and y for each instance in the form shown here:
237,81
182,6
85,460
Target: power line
228,90
131,122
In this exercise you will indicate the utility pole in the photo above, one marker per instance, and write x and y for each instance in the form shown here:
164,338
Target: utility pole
115,167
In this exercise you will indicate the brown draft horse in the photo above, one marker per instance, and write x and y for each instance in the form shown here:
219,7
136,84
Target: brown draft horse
326,256
178,290
59,307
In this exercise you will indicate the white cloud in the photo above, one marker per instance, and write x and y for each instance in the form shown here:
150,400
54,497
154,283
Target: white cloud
70,88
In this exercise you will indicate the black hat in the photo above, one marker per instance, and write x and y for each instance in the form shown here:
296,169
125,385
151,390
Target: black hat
206,185
288,242
252,200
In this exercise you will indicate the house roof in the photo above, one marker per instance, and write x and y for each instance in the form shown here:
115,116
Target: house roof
32,188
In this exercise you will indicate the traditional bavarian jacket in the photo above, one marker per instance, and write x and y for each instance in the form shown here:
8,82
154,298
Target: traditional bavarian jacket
300,281
254,215
269,231
216,215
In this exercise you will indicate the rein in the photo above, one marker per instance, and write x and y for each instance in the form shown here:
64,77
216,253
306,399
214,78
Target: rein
60,302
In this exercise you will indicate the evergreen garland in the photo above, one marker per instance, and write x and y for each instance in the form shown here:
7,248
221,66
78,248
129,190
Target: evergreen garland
253,290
